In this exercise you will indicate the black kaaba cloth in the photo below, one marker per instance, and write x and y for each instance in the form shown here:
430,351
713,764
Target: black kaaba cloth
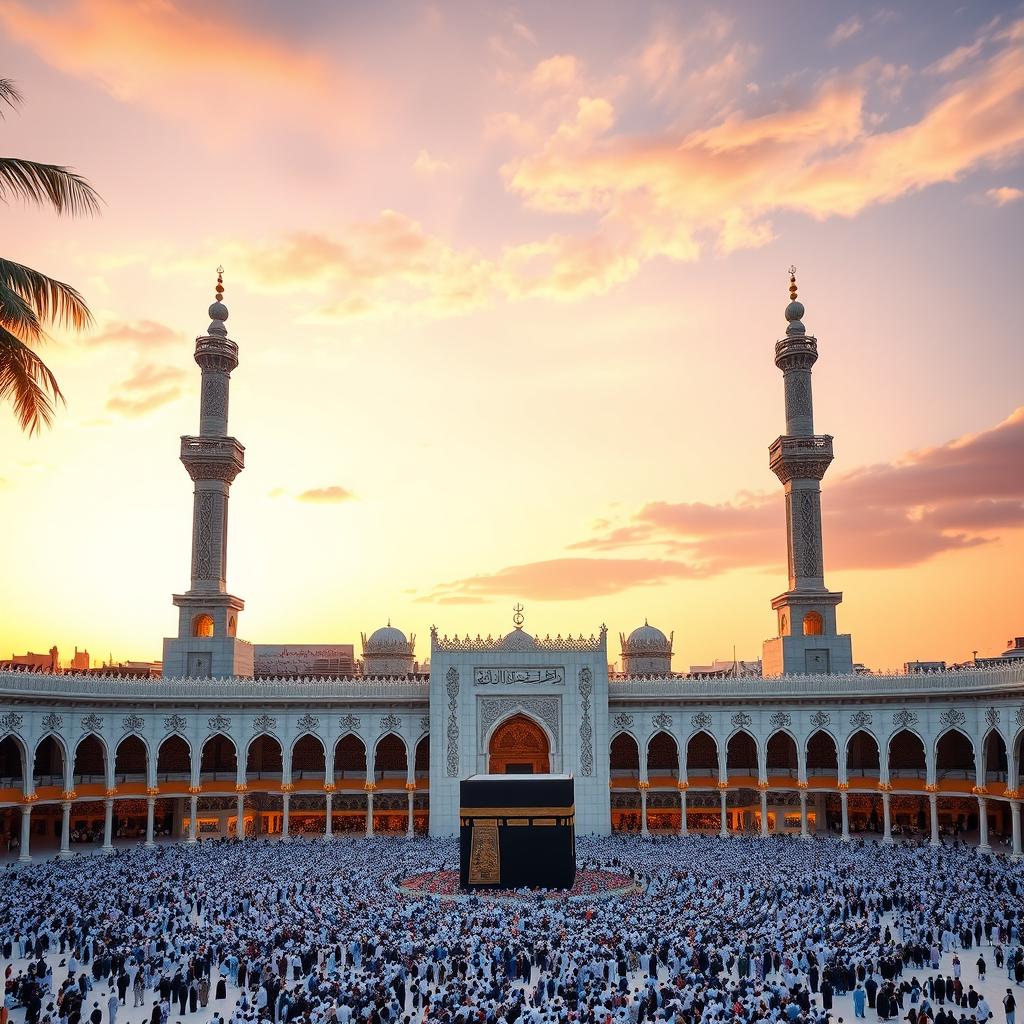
517,831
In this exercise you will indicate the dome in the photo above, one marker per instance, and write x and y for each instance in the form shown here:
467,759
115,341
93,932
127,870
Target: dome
647,637
387,638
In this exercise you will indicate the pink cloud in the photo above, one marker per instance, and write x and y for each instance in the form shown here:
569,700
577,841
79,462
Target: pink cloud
327,495
140,333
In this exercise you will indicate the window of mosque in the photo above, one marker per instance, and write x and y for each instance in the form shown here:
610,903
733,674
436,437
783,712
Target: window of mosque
814,624
202,625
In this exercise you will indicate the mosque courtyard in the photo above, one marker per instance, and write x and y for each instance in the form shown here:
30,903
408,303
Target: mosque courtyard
709,928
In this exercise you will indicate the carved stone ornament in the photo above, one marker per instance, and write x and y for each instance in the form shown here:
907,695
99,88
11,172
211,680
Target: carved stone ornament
820,719
1020,716
859,719
992,717
92,723
623,720
903,718
219,723
952,717
133,723
662,721
425,723
554,676
781,720
389,723
546,708
308,722
452,685
264,723
52,721
10,721
349,723
741,720
586,687
701,720
175,723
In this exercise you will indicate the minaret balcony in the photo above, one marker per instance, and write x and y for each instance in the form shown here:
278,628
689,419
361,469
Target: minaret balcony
796,352
215,353
212,458
800,458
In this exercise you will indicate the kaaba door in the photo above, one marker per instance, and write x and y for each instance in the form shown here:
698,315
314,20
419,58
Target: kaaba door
519,746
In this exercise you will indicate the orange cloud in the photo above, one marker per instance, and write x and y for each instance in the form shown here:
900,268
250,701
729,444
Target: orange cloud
148,388
194,64
140,333
1003,195
327,495
135,407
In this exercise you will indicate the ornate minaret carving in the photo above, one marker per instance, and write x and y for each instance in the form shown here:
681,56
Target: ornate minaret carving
807,640
208,620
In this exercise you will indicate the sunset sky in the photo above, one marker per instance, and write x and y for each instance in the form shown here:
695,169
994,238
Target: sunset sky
506,282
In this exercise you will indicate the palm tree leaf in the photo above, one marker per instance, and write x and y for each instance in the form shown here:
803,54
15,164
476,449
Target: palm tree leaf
27,382
9,94
18,316
64,190
53,301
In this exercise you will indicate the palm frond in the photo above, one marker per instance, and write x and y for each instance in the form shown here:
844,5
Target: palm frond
9,94
27,382
18,316
53,301
62,188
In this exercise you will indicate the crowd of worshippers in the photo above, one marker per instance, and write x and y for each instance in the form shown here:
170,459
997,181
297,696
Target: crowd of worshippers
716,931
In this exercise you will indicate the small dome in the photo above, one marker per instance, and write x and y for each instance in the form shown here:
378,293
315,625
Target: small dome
647,637
218,311
386,638
795,311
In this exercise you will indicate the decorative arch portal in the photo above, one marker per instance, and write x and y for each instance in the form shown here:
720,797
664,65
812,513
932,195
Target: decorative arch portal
519,746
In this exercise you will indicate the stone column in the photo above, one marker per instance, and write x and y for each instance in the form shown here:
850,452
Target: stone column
26,833
804,834
844,807
65,830
1015,823
108,825
724,830
240,817
150,811
886,819
643,810
285,802
193,825
764,812
982,824
682,812
933,813
329,823
411,794
369,812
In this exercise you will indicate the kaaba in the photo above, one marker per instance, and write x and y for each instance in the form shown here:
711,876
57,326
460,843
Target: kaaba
517,831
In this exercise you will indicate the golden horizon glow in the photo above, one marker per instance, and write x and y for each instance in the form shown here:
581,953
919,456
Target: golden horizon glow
506,290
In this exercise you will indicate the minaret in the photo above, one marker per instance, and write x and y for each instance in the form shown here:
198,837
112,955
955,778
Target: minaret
207,644
807,640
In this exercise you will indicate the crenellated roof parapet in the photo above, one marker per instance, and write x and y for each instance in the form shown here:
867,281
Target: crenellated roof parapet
518,641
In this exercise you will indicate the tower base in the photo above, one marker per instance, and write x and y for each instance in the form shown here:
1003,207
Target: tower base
199,657
807,655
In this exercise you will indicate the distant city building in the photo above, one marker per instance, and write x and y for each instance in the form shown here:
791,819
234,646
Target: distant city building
924,666
729,668
49,662
298,661
1014,650
80,662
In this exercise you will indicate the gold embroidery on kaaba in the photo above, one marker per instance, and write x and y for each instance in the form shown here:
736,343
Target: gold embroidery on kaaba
516,812
484,854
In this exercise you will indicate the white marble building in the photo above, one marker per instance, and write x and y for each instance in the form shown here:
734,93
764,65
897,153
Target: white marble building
209,750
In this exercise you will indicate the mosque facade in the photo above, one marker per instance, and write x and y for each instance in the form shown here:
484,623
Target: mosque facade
213,749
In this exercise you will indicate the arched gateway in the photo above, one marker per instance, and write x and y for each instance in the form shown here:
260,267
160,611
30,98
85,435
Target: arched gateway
520,746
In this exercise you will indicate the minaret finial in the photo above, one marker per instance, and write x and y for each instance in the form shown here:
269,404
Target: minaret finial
218,311
795,309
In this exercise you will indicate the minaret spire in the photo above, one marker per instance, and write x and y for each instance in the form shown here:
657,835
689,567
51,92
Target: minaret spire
208,619
807,640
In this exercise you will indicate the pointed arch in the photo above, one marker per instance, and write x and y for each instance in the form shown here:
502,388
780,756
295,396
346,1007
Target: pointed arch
131,759
863,755
49,762
822,753
741,754
174,759
218,757
90,763
995,764
954,755
519,744
390,757
702,753
422,757
308,757
264,758
624,755
350,757
906,755
663,754
781,754
13,762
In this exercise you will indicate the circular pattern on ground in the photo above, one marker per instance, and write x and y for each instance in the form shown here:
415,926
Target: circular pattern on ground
589,885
